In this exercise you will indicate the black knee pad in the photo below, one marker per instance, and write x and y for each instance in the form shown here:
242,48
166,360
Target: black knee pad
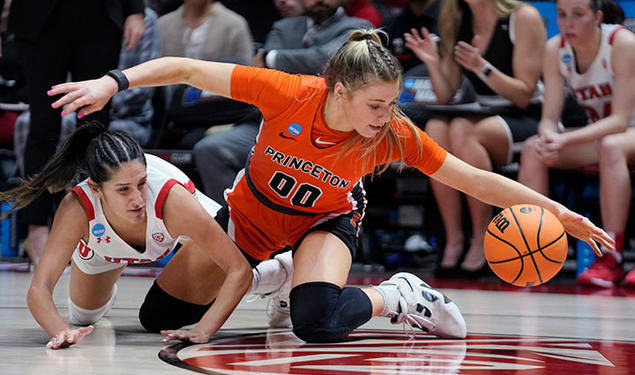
322,312
161,311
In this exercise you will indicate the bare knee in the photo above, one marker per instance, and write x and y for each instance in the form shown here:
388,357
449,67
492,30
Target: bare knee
437,129
610,149
530,150
461,131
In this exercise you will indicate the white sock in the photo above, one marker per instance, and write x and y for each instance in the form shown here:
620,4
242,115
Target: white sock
81,317
391,295
269,276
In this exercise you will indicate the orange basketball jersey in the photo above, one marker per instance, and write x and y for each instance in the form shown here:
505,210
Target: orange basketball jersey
292,181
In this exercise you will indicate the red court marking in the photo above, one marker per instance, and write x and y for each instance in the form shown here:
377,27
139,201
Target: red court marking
390,352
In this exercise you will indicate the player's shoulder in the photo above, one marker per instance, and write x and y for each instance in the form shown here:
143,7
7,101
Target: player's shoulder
527,14
313,83
554,43
178,200
623,39
73,208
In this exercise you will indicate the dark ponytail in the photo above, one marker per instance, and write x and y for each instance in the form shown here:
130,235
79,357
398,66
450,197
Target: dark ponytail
612,11
91,150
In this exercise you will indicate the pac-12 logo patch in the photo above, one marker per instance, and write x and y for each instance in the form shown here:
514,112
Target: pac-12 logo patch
295,128
159,237
390,352
98,230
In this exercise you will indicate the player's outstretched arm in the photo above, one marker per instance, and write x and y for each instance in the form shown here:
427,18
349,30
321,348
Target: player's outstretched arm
501,191
184,215
91,95
68,228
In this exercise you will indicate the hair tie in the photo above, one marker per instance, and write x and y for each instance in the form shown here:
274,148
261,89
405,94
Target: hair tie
367,36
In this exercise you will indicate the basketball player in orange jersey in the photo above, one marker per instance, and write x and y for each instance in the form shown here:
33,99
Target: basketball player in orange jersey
595,60
301,187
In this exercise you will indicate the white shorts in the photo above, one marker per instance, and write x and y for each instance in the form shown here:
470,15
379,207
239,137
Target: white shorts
95,263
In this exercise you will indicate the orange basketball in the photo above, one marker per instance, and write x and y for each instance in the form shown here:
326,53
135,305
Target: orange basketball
525,245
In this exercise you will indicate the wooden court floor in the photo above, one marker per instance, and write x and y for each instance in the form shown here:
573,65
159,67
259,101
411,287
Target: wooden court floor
559,330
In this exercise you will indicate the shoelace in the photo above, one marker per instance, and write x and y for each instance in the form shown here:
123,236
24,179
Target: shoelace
409,321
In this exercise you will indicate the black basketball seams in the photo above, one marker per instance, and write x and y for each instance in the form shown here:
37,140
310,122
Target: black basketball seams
520,256
542,247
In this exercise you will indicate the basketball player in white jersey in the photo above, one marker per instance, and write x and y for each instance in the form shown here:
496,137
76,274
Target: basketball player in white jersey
132,208
596,62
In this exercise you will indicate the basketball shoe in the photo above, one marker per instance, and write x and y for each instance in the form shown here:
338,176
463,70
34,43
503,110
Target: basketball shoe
629,280
278,305
410,300
605,272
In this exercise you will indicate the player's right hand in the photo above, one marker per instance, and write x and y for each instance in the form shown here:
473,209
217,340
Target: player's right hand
86,96
68,337
191,335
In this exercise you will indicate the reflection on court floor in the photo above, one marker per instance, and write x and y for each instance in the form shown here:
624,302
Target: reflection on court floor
558,329
387,352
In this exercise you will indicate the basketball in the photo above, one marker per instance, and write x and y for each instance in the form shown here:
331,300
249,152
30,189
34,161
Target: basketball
525,245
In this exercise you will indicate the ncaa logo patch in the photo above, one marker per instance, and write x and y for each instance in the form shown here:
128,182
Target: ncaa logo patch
98,230
159,237
566,58
391,352
294,128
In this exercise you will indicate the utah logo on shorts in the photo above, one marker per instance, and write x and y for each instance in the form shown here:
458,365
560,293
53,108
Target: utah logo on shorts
159,237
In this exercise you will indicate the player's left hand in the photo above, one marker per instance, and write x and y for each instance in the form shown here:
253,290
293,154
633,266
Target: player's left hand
583,229
191,335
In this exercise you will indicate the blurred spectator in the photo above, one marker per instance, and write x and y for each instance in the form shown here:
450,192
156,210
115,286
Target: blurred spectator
207,30
200,29
596,62
498,46
294,45
303,44
289,8
417,14
260,15
54,38
162,7
131,110
365,10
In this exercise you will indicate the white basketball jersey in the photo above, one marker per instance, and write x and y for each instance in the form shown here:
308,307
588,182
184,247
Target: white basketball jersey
593,88
104,243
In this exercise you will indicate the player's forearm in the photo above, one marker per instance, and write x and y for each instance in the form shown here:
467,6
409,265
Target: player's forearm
440,84
40,302
515,90
609,125
236,284
500,191
207,75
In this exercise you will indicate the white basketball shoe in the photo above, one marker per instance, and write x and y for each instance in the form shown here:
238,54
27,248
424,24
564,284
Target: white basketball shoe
278,305
410,300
